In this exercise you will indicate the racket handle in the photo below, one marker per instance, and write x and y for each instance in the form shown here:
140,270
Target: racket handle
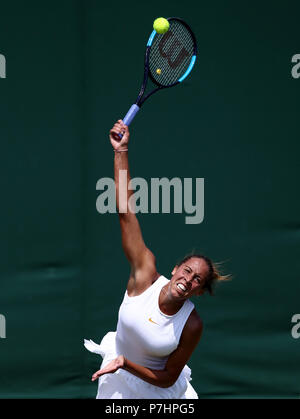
130,115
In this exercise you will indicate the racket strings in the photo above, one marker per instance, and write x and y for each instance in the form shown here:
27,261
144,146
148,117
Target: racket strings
170,54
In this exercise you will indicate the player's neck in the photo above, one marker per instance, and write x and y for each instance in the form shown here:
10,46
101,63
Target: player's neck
167,304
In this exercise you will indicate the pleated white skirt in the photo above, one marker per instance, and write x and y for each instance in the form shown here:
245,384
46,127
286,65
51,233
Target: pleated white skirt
123,385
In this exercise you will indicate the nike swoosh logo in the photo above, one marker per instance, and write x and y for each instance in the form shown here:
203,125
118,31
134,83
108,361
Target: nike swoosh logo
150,320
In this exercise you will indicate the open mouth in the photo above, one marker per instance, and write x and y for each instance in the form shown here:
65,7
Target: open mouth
181,287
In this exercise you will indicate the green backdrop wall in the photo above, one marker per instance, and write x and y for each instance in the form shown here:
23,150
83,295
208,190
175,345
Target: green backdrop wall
74,67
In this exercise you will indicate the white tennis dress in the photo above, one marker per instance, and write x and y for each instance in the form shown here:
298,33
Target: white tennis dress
147,337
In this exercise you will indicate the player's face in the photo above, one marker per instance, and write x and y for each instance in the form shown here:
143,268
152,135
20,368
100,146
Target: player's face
189,278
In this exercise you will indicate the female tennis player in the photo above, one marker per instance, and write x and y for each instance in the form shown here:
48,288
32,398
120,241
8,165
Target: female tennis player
158,327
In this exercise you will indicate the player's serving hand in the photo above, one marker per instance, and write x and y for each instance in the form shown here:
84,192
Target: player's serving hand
118,143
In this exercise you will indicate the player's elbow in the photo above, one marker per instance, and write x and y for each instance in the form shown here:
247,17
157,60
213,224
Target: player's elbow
169,381
167,384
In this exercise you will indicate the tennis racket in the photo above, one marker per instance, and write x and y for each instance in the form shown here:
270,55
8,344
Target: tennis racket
169,59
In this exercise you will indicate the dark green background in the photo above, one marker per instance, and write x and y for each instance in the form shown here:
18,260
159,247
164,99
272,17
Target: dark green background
73,68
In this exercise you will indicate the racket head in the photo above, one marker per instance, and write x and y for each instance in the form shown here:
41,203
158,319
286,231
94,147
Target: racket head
171,56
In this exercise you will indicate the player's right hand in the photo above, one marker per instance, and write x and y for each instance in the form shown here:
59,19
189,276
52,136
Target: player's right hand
117,142
110,368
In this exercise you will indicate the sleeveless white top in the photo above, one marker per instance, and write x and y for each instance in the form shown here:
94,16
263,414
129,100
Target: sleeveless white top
145,335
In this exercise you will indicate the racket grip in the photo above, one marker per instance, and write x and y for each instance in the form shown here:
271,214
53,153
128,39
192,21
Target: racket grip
130,115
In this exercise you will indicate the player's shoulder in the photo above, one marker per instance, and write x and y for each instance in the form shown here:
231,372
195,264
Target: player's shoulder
140,282
194,323
192,330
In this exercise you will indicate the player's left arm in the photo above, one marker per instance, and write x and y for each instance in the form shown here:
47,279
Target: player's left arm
189,340
190,337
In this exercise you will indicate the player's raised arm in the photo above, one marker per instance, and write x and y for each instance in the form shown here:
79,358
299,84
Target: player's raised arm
141,259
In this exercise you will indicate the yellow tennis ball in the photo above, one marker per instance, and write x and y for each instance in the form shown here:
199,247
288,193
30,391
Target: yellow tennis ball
161,25
158,71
